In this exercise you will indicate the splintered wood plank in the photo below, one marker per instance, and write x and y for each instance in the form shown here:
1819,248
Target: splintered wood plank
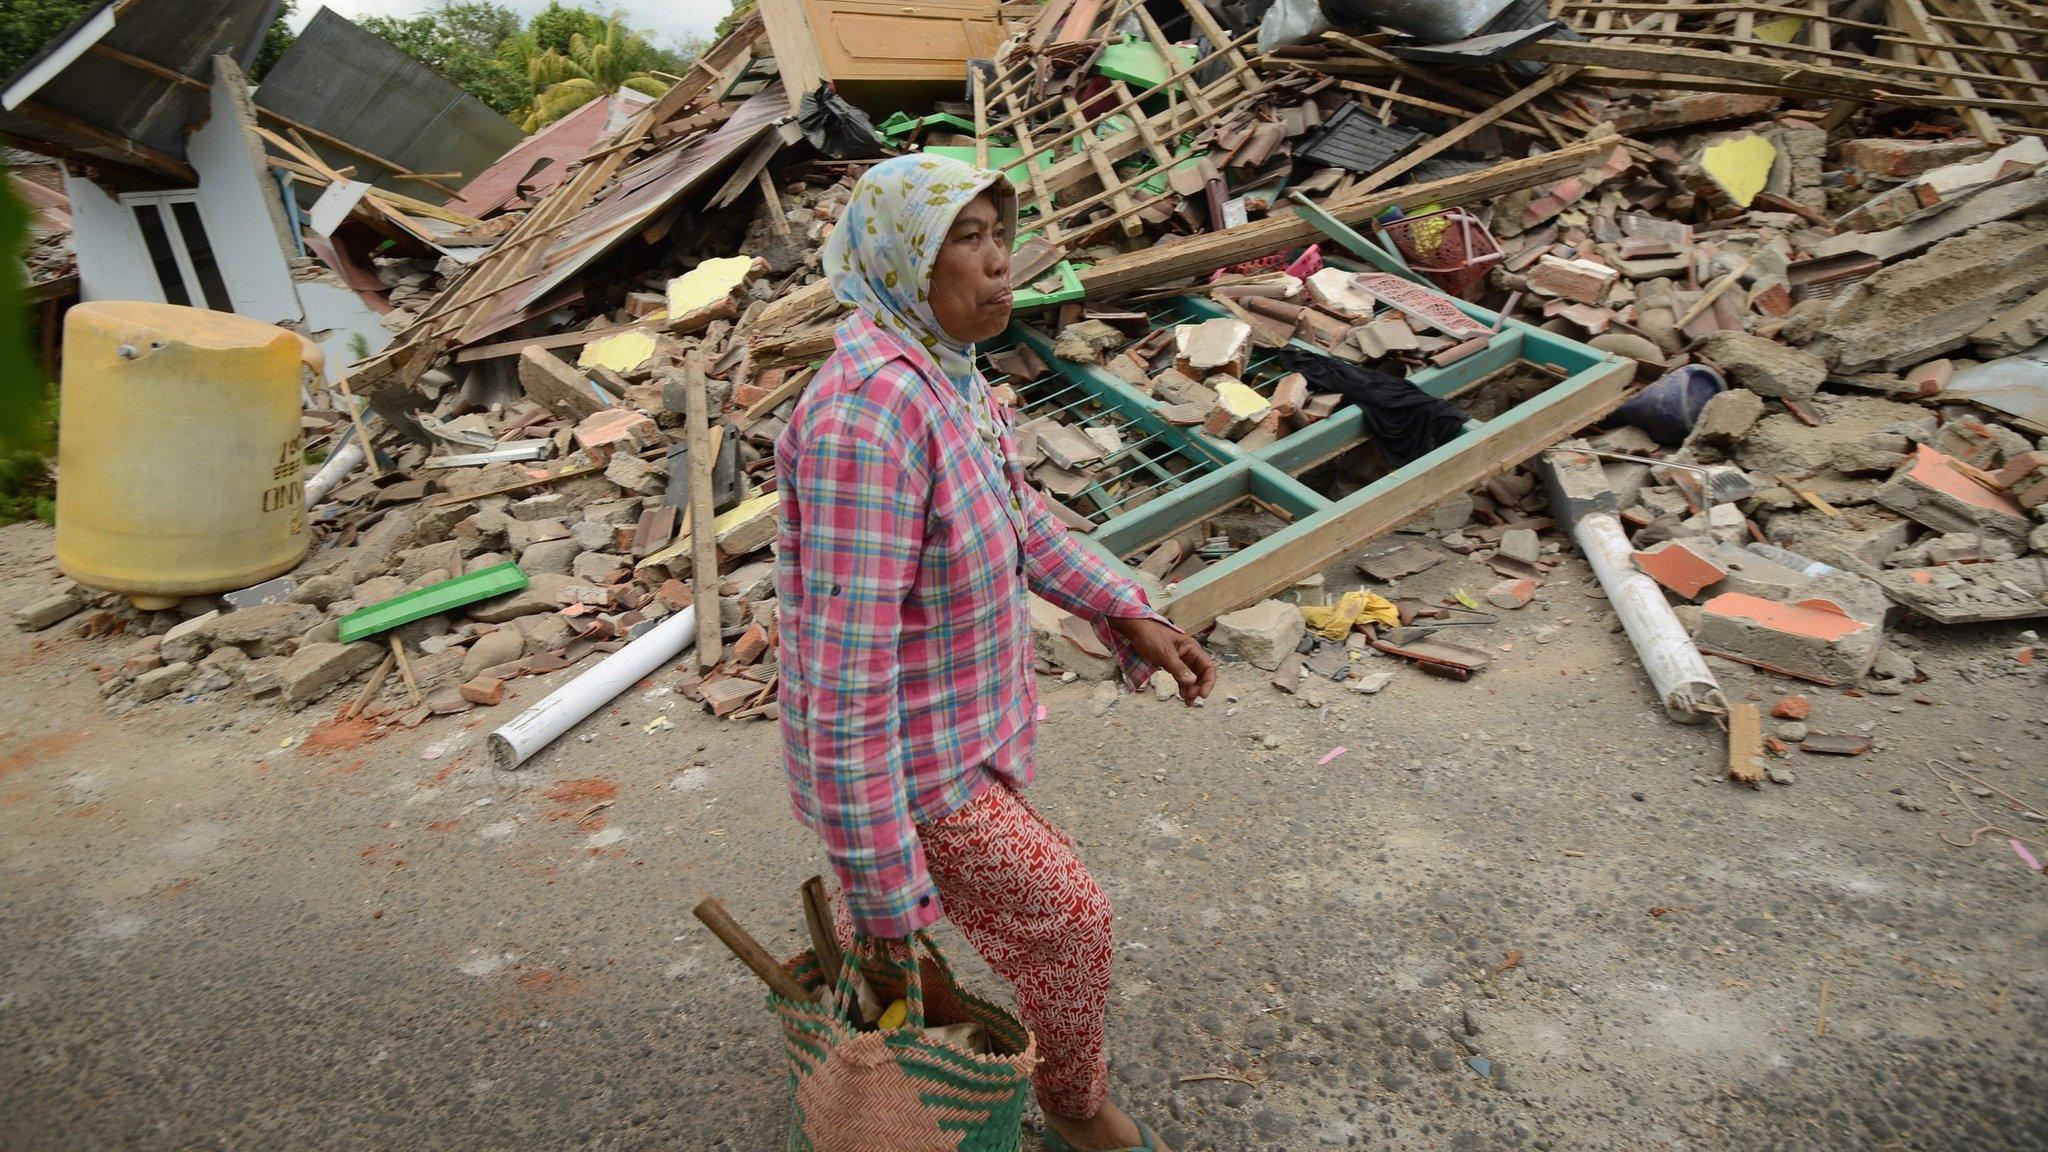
1912,16
1745,743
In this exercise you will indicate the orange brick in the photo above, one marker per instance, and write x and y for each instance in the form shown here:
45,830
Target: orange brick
1793,708
484,691
1677,567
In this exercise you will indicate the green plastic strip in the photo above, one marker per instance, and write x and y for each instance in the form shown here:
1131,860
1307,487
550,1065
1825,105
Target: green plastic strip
433,600
1070,289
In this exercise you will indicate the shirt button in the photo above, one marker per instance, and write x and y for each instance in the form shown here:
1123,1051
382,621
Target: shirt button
835,589
924,901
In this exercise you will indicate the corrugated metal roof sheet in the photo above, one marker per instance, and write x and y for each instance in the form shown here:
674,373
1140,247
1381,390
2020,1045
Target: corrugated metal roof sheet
356,86
100,92
541,162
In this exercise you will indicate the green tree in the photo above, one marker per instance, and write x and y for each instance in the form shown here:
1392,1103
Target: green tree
27,407
277,39
739,10
461,40
595,66
27,25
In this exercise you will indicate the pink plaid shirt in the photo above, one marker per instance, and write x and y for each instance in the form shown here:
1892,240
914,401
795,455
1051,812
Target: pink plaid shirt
904,552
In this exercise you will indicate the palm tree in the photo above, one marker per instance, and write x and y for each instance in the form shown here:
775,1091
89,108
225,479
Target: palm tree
598,65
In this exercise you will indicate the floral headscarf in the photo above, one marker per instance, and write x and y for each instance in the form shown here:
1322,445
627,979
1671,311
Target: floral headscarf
880,256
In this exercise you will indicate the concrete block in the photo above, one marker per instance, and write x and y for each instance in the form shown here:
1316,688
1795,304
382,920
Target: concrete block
316,669
1521,544
1931,490
163,681
48,611
502,646
1876,452
1765,367
375,549
1915,309
1051,644
268,630
1757,575
594,535
596,567
636,475
616,430
2014,330
1264,634
543,593
1723,422
550,556
1812,637
1859,537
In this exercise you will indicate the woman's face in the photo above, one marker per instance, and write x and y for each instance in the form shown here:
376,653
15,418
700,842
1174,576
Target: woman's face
971,280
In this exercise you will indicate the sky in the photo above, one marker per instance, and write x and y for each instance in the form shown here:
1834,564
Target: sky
666,18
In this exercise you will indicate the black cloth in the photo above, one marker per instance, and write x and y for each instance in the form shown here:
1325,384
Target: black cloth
1405,421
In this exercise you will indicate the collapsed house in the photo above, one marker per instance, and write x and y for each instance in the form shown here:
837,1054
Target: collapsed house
1746,303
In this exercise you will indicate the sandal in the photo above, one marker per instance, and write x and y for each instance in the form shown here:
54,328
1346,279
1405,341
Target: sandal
1054,1142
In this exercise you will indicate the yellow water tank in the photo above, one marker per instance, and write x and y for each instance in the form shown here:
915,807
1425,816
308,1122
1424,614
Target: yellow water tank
180,460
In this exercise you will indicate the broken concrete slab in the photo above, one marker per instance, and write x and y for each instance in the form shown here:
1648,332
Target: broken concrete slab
1264,634
1920,308
1858,538
1756,575
1723,422
636,475
1521,544
1932,490
1051,644
545,592
501,646
48,611
1086,341
316,669
1869,453
1972,593
2014,330
163,681
1765,367
1811,638
1781,447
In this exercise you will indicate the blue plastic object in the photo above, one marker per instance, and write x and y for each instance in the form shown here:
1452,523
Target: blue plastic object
1668,408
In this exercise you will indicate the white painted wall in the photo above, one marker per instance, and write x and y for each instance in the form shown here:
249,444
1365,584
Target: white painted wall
238,202
113,264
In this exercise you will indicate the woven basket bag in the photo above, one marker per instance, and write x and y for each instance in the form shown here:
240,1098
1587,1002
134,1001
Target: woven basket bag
901,1091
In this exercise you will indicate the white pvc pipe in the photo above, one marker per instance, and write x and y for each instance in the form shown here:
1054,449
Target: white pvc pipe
333,472
565,707
1689,691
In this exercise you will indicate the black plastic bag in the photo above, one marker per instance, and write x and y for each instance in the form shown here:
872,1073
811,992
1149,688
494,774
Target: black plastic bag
838,129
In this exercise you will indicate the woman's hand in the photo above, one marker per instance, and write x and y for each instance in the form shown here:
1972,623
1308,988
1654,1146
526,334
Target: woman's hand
1175,652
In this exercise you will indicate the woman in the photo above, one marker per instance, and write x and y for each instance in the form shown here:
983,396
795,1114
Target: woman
909,538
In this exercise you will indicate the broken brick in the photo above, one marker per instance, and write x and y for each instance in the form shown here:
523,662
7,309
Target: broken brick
1680,567
1793,708
486,692
1814,638
1511,594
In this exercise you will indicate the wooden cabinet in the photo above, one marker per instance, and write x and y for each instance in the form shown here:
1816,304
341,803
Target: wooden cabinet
881,55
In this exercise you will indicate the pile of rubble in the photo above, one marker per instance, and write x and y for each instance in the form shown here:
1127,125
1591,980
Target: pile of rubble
1775,303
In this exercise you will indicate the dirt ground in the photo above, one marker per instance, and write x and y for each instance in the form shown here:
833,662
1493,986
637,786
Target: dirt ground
1518,912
